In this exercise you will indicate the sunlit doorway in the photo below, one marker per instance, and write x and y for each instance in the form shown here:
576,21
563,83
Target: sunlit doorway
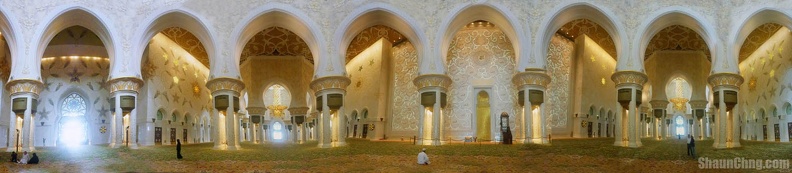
72,123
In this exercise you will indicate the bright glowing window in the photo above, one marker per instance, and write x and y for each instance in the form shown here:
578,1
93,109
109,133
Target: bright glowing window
73,105
679,123
277,134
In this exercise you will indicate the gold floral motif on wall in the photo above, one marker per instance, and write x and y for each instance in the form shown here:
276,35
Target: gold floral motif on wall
276,41
188,42
579,27
369,36
196,89
677,37
756,38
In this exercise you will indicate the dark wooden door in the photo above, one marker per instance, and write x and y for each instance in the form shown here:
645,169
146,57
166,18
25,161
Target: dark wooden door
173,135
599,129
764,132
590,130
777,132
607,130
354,131
184,137
365,131
158,135
789,129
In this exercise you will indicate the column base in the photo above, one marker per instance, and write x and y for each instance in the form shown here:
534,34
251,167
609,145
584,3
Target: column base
114,145
733,144
436,142
220,147
10,149
30,149
719,145
634,144
339,144
539,141
133,146
234,147
324,145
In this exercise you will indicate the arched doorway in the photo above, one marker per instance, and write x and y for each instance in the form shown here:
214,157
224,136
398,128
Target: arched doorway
72,126
483,116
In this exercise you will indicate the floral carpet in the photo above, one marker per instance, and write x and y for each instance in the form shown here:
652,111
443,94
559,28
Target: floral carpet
566,155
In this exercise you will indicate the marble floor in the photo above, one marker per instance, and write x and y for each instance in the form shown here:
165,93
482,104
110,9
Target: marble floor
564,155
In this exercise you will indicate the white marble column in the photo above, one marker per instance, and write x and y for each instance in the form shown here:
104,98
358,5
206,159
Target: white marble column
226,124
29,90
725,122
436,84
633,82
324,87
534,125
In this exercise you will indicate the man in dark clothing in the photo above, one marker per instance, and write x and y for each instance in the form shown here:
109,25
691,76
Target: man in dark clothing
178,149
14,157
691,145
34,159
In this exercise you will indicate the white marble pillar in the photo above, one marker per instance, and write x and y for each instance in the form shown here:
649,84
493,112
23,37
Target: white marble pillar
632,81
534,125
226,124
725,122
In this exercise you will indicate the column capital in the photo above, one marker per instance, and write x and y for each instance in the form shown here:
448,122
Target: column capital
225,84
20,86
534,77
659,104
330,82
256,110
125,84
298,110
726,80
698,104
622,78
432,80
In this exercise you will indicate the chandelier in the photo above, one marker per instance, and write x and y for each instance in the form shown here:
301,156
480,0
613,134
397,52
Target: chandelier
276,107
680,102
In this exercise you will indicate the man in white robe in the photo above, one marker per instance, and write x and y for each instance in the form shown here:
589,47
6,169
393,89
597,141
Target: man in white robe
25,158
423,159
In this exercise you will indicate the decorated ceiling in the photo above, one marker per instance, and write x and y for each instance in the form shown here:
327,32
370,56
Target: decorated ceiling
756,38
677,37
576,28
188,42
76,35
369,36
276,41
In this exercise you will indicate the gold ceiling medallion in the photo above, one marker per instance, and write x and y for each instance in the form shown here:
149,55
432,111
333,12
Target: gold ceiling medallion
196,89
680,104
752,84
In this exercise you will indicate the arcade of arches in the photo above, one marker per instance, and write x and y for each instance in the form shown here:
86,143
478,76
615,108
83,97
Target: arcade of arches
87,73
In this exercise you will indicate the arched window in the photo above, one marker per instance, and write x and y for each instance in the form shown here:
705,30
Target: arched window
73,105
72,125
159,115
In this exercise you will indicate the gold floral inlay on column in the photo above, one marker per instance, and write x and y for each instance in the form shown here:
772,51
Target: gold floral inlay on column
330,82
219,84
432,80
125,84
24,86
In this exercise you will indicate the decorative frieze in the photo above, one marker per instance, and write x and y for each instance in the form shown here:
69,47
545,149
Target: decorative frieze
536,77
330,82
24,86
725,79
629,77
256,110
230,84
298,111
125,84
698,104
432,80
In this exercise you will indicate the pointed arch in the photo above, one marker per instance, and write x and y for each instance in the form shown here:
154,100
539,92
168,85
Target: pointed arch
580,10
284,16
379,14
75,16
669,16
8,32
166,19
751,21
493,13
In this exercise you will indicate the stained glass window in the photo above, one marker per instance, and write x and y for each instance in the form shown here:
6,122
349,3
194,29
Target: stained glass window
680,130
277,128
73,105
